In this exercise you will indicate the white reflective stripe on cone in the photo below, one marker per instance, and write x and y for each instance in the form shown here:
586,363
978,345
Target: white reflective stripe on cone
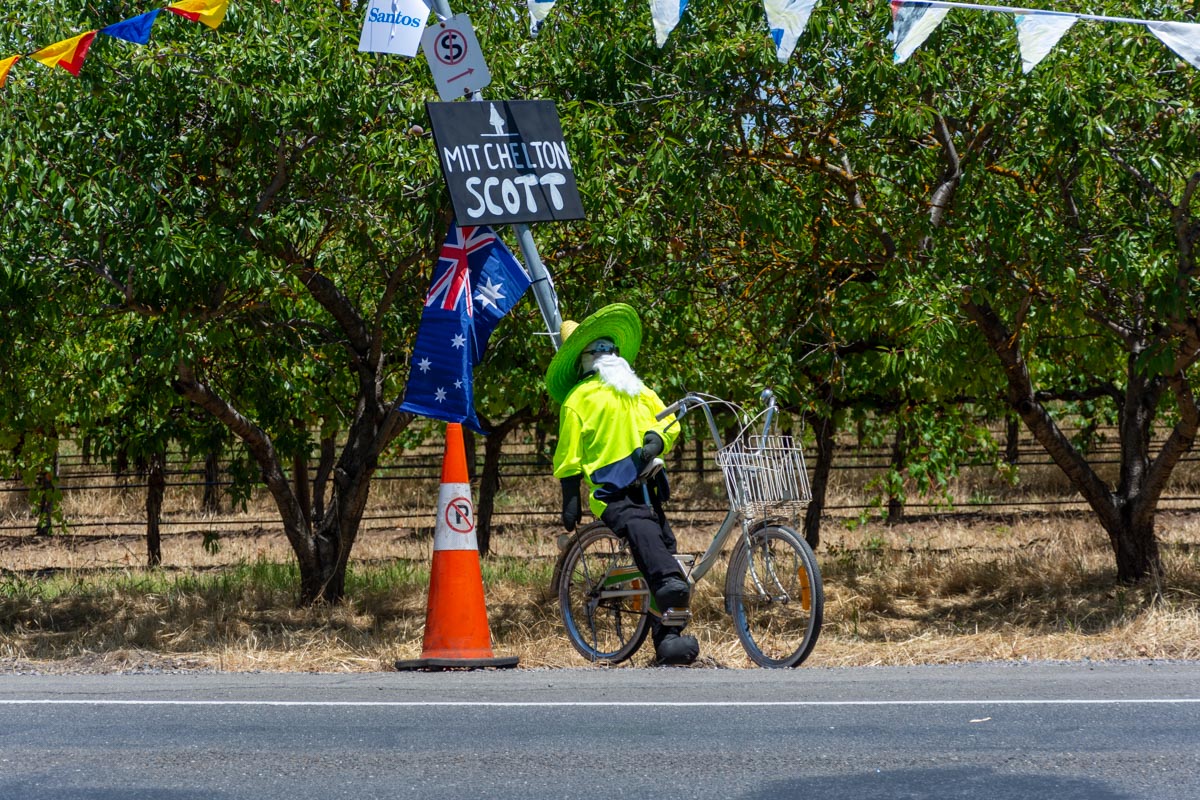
455,528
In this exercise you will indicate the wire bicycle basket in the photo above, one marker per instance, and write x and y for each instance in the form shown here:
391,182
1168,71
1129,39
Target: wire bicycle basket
765,476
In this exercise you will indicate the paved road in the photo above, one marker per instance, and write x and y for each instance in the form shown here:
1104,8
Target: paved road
1094,731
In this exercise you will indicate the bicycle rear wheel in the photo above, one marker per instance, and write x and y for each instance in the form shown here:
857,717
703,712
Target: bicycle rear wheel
774,592
602,597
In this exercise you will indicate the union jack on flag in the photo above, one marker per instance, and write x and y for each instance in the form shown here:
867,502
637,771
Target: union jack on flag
452,275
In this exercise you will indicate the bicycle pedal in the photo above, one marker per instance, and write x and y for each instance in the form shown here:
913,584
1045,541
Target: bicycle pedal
676,617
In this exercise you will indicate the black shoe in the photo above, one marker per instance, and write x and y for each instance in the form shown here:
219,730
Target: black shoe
671,647
673,593
676,650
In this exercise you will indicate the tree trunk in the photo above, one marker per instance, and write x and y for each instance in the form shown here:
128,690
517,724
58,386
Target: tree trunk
300,484
469,451
324,468
121,468
1135,546
1012,439
895,501
45,510
539,442
489,483
212,482
1126,514
824,429
156,488
323,547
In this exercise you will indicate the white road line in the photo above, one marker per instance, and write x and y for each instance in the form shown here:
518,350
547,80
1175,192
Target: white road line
598,704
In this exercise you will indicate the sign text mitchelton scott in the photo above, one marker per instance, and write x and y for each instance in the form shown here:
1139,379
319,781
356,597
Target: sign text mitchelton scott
505,162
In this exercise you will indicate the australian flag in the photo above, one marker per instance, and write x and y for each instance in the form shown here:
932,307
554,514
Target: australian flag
475,283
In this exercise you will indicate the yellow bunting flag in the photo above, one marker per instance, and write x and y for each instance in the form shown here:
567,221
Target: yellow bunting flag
210,12
68,54
5,66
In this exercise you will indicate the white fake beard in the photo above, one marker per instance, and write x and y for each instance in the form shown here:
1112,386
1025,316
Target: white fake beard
616,372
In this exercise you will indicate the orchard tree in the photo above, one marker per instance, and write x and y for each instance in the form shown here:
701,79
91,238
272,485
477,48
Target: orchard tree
1071,245
739,207
1050,214
1058,220
259,197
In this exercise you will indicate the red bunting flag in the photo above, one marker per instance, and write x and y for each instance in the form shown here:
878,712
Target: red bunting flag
68,54
5,66
210,12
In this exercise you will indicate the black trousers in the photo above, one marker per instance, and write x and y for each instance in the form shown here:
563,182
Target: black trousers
649,535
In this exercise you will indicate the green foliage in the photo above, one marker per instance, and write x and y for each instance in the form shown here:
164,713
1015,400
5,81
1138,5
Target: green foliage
776,224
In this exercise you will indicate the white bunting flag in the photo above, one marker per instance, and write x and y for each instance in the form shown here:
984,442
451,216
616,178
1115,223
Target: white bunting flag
538,11
666,14
394,26
911,25
1182,37
1037,34
786,19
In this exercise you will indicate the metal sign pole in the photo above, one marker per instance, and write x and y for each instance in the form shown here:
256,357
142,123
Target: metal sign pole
543,286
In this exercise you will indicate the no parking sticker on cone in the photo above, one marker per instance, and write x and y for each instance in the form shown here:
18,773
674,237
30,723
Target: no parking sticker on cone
455,528
456,626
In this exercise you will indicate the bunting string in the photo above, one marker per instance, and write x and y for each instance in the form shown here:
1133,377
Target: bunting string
70,53
1022,11
1038,30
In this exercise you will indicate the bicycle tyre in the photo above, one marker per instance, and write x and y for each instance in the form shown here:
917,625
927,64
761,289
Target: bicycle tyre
609,629
771,580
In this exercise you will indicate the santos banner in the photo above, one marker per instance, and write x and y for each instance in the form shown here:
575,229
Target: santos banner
394,26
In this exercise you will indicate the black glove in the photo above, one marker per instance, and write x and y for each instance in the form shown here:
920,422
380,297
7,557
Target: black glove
652,446
571,510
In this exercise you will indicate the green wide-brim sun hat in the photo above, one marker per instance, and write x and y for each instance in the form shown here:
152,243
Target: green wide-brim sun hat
618,322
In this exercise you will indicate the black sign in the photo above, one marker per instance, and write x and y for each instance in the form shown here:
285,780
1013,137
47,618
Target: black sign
505,161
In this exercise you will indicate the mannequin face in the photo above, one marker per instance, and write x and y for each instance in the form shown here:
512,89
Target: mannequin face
587,361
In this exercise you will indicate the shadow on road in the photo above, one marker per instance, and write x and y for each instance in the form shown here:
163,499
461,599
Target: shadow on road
49,789
936,784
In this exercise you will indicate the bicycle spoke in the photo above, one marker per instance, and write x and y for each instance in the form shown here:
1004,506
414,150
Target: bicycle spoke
773,597
602,610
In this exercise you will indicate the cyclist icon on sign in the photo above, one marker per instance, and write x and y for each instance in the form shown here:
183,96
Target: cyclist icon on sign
451,47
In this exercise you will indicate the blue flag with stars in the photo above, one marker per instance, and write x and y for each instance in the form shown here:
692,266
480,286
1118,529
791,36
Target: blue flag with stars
476,282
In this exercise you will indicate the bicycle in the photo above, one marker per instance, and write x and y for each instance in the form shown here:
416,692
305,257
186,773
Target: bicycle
773,588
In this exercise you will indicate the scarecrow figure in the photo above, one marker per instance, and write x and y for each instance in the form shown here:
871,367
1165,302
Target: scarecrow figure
608,437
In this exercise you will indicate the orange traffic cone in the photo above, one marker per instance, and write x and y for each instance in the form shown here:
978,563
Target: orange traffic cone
456,626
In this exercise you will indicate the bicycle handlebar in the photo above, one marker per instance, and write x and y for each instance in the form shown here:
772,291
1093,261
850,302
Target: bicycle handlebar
669,410
768,397
693,400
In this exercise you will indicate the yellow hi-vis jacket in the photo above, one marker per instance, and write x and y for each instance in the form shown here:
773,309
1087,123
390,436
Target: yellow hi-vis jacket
598,430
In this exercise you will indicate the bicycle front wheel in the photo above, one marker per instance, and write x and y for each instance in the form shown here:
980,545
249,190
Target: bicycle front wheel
775,595
602,596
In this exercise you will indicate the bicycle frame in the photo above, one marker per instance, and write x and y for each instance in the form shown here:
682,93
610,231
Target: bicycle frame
757,468
680,408
616,577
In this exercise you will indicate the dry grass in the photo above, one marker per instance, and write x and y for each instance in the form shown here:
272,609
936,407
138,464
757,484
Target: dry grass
937,591
942,590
